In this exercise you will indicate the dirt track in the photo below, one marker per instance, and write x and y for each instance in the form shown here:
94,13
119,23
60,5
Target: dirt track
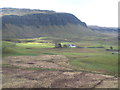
24,78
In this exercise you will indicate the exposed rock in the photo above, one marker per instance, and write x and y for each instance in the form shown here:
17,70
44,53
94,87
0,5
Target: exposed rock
42,19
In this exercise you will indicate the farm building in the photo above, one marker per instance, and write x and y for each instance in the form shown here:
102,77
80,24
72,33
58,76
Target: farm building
69,45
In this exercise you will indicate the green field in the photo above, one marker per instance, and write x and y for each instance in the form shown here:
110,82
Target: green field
87,59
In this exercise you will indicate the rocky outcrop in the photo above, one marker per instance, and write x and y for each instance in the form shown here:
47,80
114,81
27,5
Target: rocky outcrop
25,23
42,19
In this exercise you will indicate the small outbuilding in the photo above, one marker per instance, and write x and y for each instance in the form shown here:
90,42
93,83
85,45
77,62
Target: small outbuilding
69,45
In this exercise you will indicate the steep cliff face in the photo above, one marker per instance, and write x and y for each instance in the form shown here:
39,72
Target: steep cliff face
35,23
42,19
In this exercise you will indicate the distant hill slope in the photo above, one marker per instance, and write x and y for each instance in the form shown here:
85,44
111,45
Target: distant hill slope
35,23
103,29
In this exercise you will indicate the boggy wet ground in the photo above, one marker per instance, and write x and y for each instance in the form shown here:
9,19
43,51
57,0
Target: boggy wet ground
18,74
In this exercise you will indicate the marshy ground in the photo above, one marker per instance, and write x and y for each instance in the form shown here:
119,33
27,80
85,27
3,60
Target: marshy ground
50,71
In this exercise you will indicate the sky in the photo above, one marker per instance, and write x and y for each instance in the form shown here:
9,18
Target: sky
93,12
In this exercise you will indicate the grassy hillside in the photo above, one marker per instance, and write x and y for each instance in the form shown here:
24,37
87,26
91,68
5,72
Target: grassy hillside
67,31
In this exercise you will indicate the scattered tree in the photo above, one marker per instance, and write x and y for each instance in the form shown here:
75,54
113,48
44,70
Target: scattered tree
65,46
111,48
58,45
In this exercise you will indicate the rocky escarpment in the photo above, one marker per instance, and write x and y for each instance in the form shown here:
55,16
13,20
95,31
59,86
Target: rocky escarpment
42,19
26,23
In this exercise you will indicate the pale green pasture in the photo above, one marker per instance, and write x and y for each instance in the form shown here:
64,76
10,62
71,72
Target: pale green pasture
35,45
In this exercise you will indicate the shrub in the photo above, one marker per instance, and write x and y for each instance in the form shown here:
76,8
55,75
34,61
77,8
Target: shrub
8,47
8,50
